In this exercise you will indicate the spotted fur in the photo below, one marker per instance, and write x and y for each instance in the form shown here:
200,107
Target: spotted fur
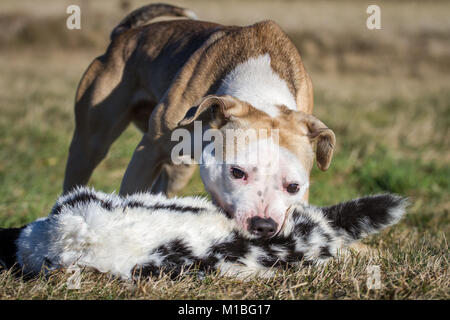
144,234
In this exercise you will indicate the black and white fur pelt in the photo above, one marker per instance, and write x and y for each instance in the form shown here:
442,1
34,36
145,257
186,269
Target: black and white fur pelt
143,234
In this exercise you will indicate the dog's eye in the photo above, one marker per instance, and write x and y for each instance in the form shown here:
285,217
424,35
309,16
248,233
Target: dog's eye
238,173
293,188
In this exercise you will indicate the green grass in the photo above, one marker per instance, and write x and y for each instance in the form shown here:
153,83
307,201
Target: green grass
392,130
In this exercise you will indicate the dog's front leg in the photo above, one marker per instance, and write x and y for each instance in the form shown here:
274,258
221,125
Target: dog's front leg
143,168
173,178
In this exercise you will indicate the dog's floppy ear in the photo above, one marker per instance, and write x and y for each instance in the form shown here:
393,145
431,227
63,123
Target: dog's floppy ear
215,109
325,138
353,220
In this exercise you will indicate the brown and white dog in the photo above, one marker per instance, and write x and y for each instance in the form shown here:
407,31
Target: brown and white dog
165,75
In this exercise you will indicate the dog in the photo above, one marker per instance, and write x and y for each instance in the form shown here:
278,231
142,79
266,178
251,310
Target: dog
144,234
167,75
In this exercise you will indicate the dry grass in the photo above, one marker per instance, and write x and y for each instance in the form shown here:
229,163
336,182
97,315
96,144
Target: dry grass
386,94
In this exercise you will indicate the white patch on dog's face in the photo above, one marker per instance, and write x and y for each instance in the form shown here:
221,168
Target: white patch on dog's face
269,170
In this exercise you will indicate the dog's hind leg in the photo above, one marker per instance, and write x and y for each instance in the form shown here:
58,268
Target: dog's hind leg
102,113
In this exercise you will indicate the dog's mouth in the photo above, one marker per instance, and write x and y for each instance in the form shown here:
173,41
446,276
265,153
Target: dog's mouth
226,210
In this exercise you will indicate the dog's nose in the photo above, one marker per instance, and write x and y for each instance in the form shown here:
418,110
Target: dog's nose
261,227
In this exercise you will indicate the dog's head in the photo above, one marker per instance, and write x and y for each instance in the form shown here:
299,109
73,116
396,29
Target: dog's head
258,166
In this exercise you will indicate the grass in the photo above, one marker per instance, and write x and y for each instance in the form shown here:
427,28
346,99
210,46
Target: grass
388,104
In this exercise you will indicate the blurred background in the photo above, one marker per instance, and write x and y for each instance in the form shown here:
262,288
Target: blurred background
385,93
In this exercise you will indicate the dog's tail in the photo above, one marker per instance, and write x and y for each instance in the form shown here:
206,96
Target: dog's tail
146,13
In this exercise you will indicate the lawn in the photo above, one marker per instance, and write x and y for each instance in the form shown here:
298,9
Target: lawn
385,93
